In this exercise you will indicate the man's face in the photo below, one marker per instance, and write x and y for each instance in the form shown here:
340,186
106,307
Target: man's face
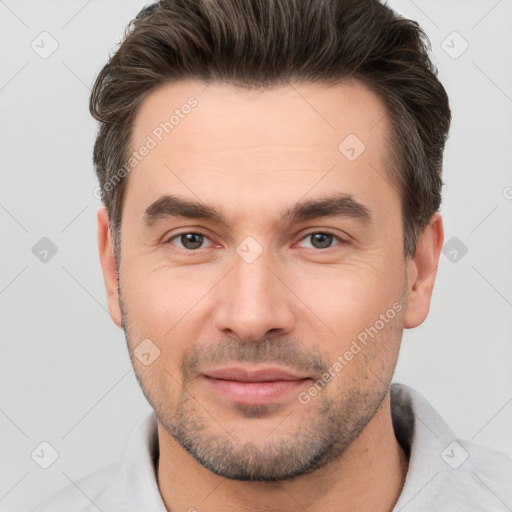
248,313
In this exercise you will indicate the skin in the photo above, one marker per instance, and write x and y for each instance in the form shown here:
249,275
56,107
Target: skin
251,154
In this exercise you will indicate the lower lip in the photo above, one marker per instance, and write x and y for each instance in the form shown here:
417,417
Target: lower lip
253,393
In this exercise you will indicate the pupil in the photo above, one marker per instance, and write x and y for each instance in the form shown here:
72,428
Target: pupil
188,240
324,239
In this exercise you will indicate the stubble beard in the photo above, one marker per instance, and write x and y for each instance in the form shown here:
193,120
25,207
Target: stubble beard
317,438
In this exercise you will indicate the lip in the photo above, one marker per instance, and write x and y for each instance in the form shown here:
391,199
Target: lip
240,374
253,386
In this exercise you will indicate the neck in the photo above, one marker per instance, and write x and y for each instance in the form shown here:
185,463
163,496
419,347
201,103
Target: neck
368,476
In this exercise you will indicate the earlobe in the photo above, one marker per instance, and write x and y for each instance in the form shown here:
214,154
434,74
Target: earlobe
108,266
422,272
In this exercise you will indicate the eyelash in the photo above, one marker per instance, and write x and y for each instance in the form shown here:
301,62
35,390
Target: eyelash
329,233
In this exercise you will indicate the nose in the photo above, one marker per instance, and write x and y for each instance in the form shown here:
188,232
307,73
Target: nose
254,301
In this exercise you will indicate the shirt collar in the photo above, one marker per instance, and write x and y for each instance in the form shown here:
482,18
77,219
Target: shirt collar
140,480
431,445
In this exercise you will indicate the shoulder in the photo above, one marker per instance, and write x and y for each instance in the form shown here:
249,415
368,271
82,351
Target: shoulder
101,490
445,472
128,483
492,468
474,478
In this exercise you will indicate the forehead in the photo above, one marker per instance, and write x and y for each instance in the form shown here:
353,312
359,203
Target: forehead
220,142
225,117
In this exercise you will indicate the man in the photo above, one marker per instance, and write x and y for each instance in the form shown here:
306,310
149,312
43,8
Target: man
271,173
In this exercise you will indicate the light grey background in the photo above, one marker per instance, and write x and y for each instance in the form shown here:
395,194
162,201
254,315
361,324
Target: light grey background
65,375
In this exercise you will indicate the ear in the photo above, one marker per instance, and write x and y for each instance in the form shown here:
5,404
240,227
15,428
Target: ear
422,271
108,266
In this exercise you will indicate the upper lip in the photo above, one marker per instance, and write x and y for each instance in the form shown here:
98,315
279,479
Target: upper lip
241,374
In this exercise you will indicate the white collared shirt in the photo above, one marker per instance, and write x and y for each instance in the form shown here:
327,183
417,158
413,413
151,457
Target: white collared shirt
445,474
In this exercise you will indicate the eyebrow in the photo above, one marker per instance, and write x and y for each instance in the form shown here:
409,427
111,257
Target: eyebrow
336,205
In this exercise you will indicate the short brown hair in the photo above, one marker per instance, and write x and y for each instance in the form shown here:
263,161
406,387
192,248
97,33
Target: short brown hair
266,43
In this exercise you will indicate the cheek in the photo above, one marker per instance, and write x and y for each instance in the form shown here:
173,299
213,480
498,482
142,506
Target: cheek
164,305
350,297
160,298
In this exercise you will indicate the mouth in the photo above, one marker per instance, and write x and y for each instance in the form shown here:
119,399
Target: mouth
253,386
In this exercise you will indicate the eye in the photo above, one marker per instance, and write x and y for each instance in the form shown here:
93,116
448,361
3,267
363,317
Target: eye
193,241
321,239
189,241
